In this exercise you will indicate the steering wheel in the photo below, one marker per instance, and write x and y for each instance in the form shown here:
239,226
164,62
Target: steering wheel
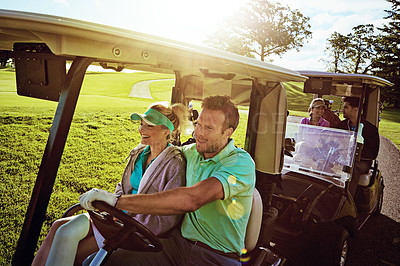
119,229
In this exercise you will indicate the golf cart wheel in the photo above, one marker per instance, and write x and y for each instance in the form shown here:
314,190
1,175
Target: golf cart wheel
333,246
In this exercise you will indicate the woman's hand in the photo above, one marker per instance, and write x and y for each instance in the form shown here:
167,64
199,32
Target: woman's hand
88,197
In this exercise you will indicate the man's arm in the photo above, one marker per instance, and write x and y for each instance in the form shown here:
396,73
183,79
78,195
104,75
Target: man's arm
175,201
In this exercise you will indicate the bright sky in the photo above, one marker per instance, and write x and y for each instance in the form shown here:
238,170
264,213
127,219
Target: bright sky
192,20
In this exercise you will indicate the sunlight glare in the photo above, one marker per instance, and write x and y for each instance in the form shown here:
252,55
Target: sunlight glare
232,179
235,210
182,20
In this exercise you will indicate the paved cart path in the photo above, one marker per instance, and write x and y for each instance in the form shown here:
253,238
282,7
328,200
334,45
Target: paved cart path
389,163
141,89
378,242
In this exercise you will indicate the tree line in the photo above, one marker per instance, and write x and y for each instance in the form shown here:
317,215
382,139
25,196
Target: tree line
263,28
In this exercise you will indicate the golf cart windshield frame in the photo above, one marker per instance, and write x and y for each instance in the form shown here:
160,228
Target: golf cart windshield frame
321,152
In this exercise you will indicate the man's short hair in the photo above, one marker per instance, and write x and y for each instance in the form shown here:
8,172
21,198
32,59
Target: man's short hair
224,104
353,101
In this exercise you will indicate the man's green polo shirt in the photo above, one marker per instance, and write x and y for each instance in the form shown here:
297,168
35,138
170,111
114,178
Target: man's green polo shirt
221,224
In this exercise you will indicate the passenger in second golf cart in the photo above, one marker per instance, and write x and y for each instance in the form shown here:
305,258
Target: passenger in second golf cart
316,110
153,166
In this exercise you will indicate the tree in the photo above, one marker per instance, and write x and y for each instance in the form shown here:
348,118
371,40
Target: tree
361,50
261,29
337,45
351,53
387,62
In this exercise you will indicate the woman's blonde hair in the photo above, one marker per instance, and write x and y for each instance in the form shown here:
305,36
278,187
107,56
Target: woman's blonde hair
178,114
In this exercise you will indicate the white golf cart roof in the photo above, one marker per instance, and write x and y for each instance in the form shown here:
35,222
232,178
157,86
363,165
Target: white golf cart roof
128,49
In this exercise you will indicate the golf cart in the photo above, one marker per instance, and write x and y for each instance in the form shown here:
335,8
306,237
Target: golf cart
317,214
43,46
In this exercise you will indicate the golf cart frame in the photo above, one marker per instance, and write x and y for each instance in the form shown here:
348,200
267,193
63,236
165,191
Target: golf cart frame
317,214
42,46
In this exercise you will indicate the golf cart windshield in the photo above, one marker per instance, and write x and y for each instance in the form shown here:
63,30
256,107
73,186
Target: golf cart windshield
324,153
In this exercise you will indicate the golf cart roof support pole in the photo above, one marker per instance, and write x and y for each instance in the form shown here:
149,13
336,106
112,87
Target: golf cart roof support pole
36,211
360,106
253,119
177,93
365,106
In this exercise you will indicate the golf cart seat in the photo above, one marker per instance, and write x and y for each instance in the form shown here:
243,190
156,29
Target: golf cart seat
366,178
254,224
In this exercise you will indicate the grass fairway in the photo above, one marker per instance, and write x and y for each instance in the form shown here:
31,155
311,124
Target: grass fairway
99,140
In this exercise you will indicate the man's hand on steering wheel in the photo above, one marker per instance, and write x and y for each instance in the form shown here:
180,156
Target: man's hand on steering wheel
94,194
